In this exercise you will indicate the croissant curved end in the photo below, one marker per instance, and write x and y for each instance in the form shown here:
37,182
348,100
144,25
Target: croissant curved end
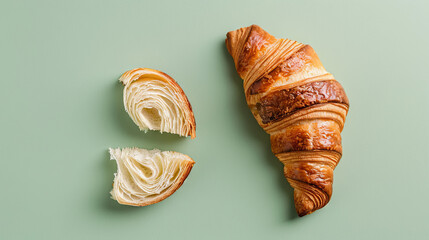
146,177
304,203
155,101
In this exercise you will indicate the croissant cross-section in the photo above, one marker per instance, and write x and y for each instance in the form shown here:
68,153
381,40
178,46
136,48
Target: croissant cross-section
297,102
146,177
155,101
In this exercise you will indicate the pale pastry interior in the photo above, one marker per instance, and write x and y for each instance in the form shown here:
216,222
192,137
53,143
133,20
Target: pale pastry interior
155,101
145,176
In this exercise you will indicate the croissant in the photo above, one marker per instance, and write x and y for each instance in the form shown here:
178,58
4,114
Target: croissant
297,102
155,101
148,176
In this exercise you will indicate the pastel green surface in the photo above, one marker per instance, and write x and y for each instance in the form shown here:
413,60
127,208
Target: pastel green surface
61,109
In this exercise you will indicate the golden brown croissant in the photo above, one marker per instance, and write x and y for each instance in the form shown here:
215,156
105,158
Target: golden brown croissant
297,102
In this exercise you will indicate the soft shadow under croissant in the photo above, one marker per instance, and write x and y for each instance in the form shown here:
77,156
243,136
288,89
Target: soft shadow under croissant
297,102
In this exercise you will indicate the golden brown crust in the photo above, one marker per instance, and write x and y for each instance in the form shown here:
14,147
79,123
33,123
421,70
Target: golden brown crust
252,46
317,175
330,111
299,104
256,45
307,197
188,167
304,58
310,173
308,135
280,104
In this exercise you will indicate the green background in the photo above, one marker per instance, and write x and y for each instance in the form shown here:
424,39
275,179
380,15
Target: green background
61,109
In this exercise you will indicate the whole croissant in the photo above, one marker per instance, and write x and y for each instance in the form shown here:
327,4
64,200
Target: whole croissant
297,102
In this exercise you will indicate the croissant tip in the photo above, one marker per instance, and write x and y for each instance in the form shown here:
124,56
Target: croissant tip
304,210
304,204
302,213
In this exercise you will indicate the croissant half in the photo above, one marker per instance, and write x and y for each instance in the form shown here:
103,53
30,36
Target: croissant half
297,102
146,177
155,101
